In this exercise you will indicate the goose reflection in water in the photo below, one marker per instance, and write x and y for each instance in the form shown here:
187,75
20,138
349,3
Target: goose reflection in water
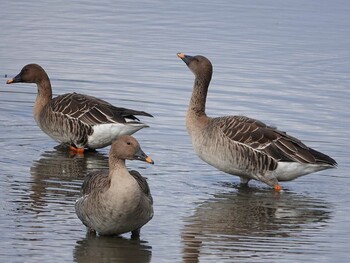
61,163
58,176
254,220
111,249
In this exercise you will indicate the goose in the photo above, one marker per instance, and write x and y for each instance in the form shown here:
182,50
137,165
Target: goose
116,201
243,146
76,120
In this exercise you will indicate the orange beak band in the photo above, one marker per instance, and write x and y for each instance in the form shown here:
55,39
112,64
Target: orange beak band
10,81
149,160
181,55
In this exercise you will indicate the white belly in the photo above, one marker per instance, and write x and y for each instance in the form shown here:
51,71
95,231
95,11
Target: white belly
105,134
287,171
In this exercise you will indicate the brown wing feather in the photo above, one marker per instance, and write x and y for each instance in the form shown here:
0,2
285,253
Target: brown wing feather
91,110
95,180
142,183
267,139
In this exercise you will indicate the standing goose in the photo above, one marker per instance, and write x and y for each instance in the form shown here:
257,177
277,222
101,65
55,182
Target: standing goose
243,146
117,201
77,120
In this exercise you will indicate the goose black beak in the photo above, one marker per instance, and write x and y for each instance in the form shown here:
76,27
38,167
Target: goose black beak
141,156
185,58
14,80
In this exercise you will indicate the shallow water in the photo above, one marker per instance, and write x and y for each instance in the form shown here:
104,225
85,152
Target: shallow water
283,62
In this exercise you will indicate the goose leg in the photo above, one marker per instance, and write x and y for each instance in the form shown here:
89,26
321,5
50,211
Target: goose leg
244,181
277,187
90,232
135,233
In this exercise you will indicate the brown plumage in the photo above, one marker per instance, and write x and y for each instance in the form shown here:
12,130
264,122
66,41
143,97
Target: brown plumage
77,120
117,201
243,146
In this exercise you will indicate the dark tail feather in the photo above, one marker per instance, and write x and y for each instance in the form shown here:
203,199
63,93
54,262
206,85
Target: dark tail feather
322,158
143,113
129,113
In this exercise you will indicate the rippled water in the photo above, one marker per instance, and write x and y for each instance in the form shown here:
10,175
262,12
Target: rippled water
283,62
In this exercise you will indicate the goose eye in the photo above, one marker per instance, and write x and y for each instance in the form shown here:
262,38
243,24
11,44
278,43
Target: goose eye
128,143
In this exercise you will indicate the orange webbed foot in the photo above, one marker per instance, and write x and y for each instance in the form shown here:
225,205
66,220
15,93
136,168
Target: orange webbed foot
74,150
277,187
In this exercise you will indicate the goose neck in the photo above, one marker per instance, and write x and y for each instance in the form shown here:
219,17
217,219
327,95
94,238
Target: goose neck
199,95
44,92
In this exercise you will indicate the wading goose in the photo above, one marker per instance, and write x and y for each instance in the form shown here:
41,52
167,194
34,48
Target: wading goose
243,146
77,120
117,201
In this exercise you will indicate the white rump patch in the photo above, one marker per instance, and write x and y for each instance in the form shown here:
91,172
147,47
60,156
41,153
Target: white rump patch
105,134
287,171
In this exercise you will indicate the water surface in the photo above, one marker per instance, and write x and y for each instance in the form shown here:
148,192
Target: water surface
285,63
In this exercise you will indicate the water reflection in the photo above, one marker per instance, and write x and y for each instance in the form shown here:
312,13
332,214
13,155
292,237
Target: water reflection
251,218
59,174
59,163
111,249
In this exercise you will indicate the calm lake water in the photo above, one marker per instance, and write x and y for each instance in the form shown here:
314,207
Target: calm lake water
286,63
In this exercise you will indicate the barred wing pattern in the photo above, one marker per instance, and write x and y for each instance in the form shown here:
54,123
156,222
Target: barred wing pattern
91,110
267,139
142,183
95,180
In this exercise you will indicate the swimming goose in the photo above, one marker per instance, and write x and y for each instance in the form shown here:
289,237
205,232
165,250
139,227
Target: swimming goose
242,146
117,201
77,120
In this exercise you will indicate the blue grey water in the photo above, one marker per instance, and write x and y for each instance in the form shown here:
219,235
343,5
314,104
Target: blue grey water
286,63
